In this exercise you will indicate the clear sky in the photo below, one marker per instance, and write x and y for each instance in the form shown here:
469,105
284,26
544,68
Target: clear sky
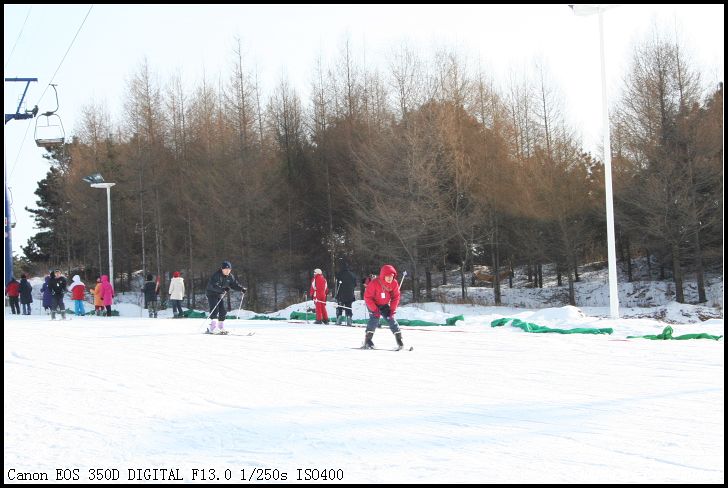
287,39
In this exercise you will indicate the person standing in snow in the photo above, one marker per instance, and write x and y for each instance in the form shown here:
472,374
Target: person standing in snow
382,298
78,292
176,293
58,284
26,294
346,284
12,291
47,296
219,285
98,299
151,291
318,291
107,294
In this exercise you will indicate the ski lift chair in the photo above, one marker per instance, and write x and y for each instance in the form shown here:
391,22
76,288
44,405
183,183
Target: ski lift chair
50,133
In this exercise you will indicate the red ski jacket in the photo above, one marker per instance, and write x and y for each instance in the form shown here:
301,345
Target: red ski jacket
319,288
378,292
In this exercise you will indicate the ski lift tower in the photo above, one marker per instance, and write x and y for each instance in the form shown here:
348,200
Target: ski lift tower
25,114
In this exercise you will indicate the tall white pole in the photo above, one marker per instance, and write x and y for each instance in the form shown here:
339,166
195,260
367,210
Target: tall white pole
612,255
111,255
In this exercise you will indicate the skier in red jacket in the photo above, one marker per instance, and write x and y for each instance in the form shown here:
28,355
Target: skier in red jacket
12,291
382,298
319,290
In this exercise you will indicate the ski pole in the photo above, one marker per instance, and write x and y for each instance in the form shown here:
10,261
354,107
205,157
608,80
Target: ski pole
404,275
339,306
305,308
218,303
336,292
242,297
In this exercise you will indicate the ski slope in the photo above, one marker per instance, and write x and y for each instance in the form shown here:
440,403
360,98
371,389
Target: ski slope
154,398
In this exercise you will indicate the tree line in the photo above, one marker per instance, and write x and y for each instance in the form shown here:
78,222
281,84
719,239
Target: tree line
427,165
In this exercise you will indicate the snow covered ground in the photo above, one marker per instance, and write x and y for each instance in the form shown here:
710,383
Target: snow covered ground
470,403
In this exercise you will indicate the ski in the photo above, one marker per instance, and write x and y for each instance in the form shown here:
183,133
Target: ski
411,348
226,332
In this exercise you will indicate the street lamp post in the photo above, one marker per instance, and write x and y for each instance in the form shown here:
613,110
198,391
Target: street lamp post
97,181
611,248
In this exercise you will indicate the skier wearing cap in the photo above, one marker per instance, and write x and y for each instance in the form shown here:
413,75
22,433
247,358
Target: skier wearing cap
220,283
318,291
382,298
176,294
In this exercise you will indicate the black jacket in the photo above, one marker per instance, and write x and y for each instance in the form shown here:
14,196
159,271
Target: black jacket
26,291
150,291
346,287
57,285
218,282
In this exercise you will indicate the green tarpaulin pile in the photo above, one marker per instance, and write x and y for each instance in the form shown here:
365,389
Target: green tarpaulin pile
667,335
403,322
114,313
539,329
311,316
193,314
302,316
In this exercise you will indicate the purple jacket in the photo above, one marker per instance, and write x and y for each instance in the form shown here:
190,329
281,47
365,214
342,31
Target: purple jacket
47,300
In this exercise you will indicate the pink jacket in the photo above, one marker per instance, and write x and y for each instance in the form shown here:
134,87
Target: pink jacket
107,291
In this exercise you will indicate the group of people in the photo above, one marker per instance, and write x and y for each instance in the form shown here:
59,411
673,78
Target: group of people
54,289
381,296
56,286
176,295
19,292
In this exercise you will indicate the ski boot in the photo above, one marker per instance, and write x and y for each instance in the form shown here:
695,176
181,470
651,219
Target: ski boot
398,337
368,344
211,327
339,320
348,321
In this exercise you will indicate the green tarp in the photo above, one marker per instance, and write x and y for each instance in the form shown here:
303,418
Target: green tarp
114,313
311,316
403,322
452,320
302,316
667,335
530,327
193,314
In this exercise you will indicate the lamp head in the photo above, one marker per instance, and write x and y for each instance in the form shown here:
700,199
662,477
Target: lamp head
94,178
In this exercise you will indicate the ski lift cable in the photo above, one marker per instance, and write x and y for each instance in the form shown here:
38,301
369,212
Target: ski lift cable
18,38
78,31
20,149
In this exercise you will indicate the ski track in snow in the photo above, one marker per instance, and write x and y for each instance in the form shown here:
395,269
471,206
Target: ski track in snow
493,405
